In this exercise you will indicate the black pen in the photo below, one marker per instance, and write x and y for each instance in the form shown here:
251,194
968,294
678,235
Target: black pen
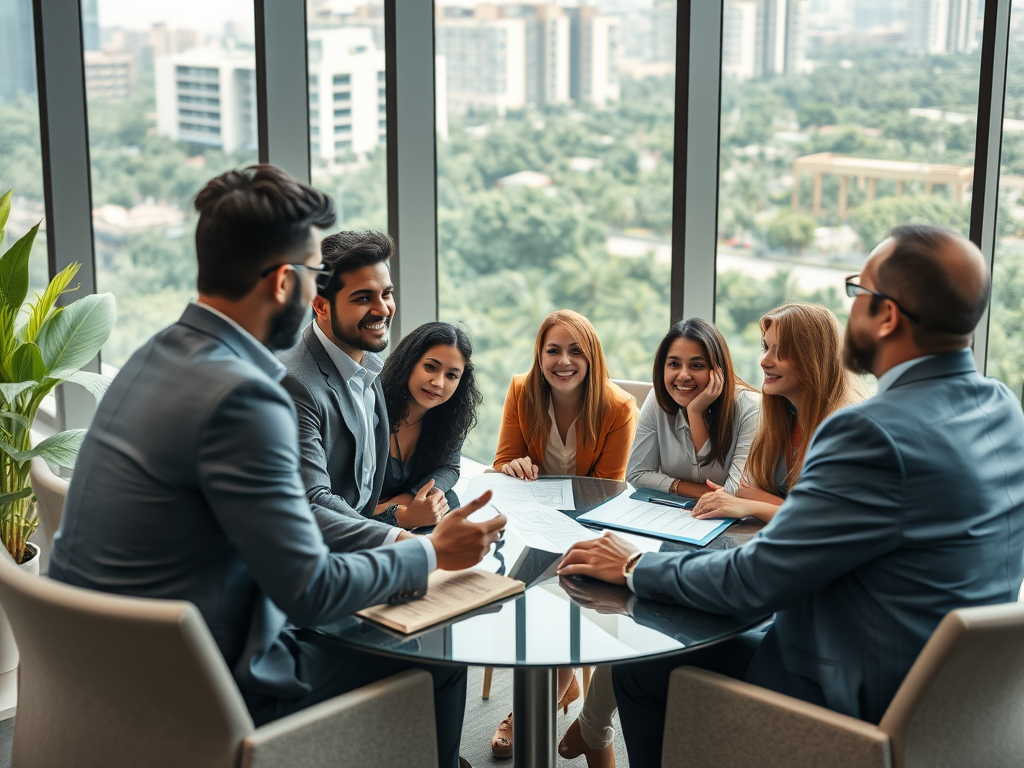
667,503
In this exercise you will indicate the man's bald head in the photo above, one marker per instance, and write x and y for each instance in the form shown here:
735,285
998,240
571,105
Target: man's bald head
941,278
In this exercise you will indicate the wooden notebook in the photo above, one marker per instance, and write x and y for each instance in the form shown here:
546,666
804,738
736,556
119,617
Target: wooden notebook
449,593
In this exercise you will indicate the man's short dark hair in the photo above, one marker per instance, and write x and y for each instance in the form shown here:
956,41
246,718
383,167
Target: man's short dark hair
249,219
349,251
916,274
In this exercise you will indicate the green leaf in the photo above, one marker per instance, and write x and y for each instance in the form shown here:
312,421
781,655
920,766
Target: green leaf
11,391
43,304
14,272
15,418
5,211
94,382
60,449
26,364
70,340
8,498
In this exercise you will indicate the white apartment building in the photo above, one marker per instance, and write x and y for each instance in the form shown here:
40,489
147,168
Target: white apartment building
485,62
347,93
941,26
596,49
208,96
762,37
108,75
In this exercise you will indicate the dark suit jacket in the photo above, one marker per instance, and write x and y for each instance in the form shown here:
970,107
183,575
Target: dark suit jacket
187,487
910,504
328,446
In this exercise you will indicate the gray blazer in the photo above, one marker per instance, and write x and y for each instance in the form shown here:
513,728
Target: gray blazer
910,504
328,446
187,487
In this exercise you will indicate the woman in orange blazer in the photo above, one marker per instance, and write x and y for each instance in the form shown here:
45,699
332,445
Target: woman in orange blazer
564,417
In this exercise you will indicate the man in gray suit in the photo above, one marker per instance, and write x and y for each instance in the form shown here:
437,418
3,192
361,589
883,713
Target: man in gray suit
910,504
333,377
188,487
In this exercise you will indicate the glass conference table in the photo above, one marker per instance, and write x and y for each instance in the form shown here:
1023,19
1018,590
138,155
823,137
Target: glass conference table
569,622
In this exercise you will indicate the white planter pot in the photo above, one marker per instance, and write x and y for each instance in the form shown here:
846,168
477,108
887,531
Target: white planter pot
8,648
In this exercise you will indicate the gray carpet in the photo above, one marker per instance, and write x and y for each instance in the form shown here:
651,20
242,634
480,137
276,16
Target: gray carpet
483,716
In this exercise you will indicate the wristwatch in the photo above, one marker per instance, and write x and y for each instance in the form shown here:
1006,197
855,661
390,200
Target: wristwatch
631,563
389,515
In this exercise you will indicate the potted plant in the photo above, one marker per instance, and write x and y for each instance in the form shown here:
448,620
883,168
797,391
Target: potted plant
41,346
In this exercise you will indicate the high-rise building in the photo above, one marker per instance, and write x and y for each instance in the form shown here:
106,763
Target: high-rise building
109,76
17,49
663,31
207,96
347,93
941,26
739,39
595,49
90,25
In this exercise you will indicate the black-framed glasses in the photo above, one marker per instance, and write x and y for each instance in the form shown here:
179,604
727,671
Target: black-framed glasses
853,290
324,273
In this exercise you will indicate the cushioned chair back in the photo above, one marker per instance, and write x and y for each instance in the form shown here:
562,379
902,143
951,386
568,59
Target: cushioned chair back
638,389
962,703
114,681
51,491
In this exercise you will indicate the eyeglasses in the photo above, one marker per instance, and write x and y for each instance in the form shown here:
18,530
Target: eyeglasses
324,273
853,290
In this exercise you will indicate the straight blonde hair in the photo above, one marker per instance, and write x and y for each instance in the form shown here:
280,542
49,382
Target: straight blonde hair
811,343
537,392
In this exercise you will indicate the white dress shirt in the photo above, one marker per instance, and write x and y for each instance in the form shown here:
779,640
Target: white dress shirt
559,457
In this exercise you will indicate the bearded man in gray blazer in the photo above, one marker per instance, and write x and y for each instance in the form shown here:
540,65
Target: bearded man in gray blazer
188,487
333,377
910,504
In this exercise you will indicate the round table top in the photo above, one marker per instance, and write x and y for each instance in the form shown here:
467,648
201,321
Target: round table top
573,621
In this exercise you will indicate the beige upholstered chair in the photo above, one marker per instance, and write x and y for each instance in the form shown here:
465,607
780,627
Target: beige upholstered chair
125,682
638,389
961,704
51,491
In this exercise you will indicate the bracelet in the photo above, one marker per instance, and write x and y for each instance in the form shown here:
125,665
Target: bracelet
675,485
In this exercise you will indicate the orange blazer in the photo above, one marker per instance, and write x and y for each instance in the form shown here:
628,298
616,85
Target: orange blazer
607,459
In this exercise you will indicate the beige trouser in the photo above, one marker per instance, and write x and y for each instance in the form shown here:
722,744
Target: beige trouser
598,709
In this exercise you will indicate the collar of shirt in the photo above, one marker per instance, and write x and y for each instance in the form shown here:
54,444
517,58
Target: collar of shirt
347,367
262,356
887,379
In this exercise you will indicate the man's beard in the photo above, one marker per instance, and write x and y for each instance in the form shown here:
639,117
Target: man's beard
357,341
284,328
857,357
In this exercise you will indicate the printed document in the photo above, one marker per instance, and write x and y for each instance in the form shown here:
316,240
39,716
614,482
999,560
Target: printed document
449,593
551,493
543,527
672,523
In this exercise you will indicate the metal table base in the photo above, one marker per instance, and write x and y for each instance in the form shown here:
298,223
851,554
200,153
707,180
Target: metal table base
534,738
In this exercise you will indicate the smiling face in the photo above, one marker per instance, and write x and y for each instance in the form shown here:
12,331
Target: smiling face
359,317
562,360
687,370
779,378
436,375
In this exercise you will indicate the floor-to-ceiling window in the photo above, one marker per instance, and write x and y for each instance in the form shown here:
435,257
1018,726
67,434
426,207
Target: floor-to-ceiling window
554,180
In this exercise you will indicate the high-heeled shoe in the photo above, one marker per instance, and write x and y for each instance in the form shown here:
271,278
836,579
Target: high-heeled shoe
501,742
573,745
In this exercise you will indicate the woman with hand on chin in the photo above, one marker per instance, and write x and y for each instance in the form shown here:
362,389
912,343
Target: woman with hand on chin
431,398
805,382
563,417
695,426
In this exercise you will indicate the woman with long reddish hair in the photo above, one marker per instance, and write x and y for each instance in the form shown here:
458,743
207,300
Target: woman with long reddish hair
564,417
805,382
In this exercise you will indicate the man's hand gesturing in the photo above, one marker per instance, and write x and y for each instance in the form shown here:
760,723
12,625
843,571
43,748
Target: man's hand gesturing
458,543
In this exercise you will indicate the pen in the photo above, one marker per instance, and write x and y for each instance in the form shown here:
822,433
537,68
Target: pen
667,503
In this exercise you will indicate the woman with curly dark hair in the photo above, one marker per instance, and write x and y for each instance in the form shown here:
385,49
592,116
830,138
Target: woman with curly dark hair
431,397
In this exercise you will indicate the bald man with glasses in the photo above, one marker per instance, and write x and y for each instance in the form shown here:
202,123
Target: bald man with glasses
910,504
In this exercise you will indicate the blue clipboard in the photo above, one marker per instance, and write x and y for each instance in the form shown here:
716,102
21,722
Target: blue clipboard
682,504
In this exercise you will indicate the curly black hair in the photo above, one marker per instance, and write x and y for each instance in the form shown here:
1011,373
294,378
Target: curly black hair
446,426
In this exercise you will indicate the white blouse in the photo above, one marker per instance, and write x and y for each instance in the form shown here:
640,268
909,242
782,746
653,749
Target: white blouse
559,457
663,447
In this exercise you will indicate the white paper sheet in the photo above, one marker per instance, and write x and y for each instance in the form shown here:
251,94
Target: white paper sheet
655,520
551,493
543,527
